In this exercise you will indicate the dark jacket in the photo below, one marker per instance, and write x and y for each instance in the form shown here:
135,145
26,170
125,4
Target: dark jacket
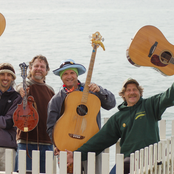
8,104
137,126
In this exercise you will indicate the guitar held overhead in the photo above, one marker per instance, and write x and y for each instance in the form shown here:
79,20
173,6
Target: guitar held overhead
150,48
25,116
78,122
2,24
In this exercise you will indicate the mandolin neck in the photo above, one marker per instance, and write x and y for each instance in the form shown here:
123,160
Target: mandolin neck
25,96
89,75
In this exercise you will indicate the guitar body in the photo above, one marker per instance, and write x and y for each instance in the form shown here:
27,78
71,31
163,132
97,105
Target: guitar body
149,47
73,129
2,24
26,119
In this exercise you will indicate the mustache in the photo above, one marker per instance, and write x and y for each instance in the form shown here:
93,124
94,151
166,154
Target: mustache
132,95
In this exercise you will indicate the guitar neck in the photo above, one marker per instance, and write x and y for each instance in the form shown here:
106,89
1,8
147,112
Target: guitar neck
25,96
89,75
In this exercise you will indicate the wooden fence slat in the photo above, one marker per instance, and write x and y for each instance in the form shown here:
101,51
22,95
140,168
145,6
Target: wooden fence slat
132,163
159,157
91,163
77,161
162,129
105,163
35,161
155,157
167,156
163,157
63,162
146,159
120,163
8,161
150,158
141,160
172,154
22,161
137,161
49,162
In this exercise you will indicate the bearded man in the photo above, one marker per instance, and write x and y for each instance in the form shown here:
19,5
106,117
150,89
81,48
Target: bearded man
42,93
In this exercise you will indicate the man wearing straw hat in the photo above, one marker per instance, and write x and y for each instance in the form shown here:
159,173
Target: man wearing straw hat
69,72
9,99
136,123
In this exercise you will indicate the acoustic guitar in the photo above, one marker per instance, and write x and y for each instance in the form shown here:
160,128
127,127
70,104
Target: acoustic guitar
78,122
149,47
25,116
2,24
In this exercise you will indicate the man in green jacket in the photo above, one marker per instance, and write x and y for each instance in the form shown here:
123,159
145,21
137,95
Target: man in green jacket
136,123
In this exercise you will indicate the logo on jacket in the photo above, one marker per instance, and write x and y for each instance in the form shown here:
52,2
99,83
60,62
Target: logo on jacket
9,101
140,115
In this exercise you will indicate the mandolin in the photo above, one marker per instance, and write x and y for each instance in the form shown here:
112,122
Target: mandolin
78,122
25,117
149,47
2,24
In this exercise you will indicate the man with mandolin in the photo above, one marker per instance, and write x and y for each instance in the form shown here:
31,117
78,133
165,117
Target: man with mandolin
9,99
72,118
40,93
136,123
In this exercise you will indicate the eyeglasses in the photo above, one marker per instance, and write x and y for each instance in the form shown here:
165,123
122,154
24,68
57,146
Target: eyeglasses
65,63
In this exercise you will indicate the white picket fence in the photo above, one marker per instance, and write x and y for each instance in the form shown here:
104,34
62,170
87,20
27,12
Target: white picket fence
155,159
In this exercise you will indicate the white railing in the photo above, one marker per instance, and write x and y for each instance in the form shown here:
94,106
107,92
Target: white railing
155,159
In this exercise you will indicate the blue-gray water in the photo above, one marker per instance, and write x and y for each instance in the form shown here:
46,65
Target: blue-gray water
60,29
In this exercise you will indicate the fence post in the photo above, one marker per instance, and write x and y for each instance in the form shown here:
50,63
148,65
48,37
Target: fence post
9,161
22,161
91,163
63,162
120,163
49,162
172,128
155,157
35,161
105,163
132,163
159,157
77,163
137,161
162,129
172,154
146,159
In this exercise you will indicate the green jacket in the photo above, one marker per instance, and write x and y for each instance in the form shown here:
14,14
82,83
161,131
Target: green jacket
137,126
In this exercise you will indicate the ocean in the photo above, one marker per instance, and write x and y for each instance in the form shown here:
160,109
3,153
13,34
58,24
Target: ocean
61,29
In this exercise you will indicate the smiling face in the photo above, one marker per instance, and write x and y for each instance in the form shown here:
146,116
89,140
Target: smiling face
6,80
69,78
131,94
38,70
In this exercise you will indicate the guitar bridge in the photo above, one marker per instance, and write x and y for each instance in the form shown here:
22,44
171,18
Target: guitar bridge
77,136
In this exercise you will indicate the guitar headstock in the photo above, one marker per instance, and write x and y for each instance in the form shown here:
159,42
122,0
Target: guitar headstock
23,67
96,40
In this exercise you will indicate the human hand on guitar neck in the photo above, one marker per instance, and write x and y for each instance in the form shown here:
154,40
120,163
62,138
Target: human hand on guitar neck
22,92
94,87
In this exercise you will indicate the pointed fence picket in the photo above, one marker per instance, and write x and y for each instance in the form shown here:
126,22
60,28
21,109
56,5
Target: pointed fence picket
157,158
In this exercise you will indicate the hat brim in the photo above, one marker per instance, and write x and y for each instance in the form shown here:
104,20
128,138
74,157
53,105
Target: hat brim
130,81
81,69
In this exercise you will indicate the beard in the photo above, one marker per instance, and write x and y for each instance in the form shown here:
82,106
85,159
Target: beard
38,77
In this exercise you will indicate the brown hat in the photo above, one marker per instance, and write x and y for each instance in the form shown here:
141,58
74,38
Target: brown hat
130,80
7,68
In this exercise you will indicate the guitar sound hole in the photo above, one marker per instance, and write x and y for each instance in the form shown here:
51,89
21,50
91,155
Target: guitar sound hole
165,57
82,110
